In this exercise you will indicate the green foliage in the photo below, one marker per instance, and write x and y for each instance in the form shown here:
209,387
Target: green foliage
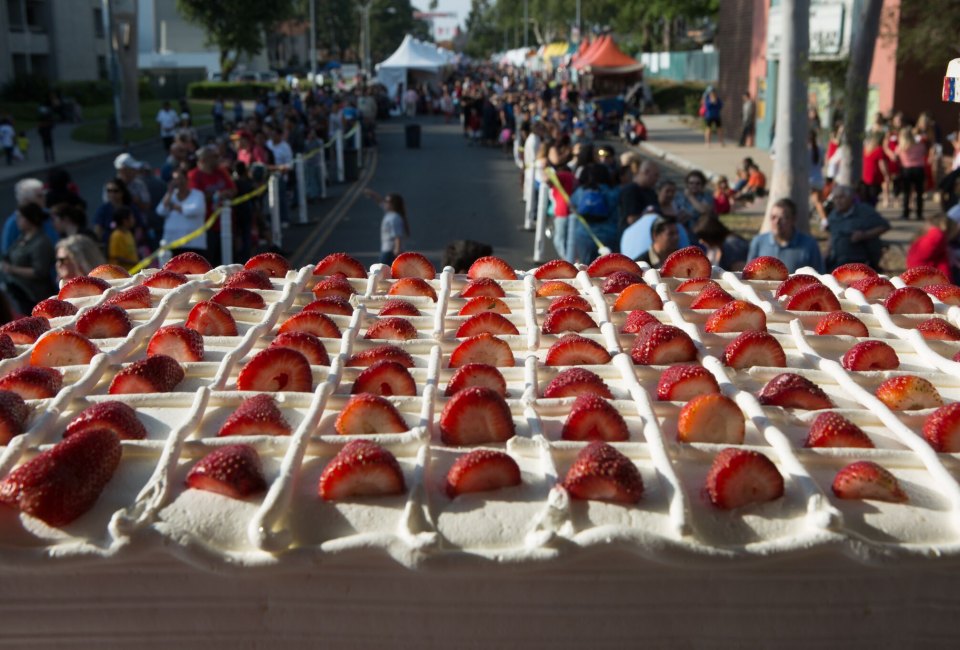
673,97
227,89
926,33
35,89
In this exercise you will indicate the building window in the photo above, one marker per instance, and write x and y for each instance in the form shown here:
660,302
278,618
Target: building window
102,73
36,16
98,22
14,16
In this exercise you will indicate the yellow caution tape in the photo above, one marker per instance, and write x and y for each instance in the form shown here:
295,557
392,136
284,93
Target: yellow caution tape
555,182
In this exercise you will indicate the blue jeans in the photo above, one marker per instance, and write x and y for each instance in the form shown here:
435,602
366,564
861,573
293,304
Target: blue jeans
560,227
580,245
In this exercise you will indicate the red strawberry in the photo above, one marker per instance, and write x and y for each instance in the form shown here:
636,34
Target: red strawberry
847,274
948,294
59,485
870,355
689,262
483,287
336,286
188,264
695,285
109,272
33,382
908,300
385,378
412,265
7,348
921,276
867,480
235,297
555,270
234,471
137,297
482,304
711,297
370,356
306,344
340,263
482,470
620,280
392,328
815,297
491,267
156,374
412,287
575,350
737,316
476,374
82,287
53,308
941,429
26,330
13,415
104,322
63,348
113,416
489,322
361,469
271,264
311,322
482,348
937,329
276,369
740,477
638,296
660,345
841,323
608,264
578,302
908,393
554,288
753,348
713,418
765,268
211,319
791,390
568,320
165,280
177,342
397,307
683,382
794,284
335,306
594,418
601,473
574,382
876,287
367,414
833,430
256,416
475,416
636,320
249,280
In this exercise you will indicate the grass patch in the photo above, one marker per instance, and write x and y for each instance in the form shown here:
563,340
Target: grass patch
96,130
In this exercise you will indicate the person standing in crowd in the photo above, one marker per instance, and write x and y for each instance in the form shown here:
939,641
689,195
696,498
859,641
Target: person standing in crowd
816,176
640,194
410,100
855,230
282,165
724,248
394,226
558,158
69,220
26,267
695,201
183,210
218,111
666,238
217,186
912,155
876,175
748,117
244,214
27,191
128,170
117,197
77,255
45,125
722,196
792,247
122,249
8,139
712,108
595,201
62,189
168,119
932,247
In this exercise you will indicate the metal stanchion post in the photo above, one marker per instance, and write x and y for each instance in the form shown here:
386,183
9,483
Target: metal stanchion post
540,236
164,255
358,140
341,171
273,198
300,171
530,200
323,169
226,234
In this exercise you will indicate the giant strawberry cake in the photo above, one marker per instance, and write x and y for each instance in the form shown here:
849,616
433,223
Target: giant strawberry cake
262,456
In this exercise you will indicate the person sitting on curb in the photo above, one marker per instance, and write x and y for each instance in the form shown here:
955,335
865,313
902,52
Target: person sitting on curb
855,230
785,242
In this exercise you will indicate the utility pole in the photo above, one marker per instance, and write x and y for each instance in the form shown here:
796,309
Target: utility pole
365,36
526,21
114,68
579,22
313,41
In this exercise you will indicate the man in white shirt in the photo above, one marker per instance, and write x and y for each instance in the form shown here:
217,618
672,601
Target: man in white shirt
530,148
283,162
168,119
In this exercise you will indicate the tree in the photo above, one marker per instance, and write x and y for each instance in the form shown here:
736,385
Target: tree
926,31
235,27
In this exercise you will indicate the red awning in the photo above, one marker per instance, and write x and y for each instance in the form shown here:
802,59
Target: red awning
606,54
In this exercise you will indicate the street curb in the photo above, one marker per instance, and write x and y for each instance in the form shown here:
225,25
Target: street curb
677,161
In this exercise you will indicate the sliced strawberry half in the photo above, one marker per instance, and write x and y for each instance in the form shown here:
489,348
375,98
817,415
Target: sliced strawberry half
948,294
833,430
333,305
336,286
908,300
816,297
53,308
937,329
568,320
554,288
765,268
574,382
247,279
867,480
713,418
104,322
689,262
276,369
26,330
695,285
477,374
790,390
412,287
711,297
256,416
62,483
366,414
177,342
306,344
387,379
620,280
576,350
577,302
870,355
234,297
361,469
370,356
921,276
475,416
555,270
875,287
412,265
794,284
7,349
841,323
491,267
941,429
482,348
594,418
392,328
13,415
82,287
737,316
113,416
109,272
607,265
482,470
638,296
273,265
740,477
398,307
311,322
489,322
156,374
483,287
661,345
165,280
211,319
753,348
481,304
601,473
188,264
847,274
63,348
340,263
33,382
683,382
636,320
137,297
908,393
234,471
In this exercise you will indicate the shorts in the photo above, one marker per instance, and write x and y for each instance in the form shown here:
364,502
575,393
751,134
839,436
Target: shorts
712,122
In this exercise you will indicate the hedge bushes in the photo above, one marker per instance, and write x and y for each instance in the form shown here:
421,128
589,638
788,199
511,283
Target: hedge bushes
37,89
677,97
228,89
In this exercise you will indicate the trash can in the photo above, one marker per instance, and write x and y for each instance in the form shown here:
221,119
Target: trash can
413,136
351,170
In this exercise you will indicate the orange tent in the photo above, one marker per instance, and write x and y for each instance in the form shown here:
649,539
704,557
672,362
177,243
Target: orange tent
590,52
606,58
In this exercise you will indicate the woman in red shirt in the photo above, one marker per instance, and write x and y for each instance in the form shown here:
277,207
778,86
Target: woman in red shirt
875,173
932,247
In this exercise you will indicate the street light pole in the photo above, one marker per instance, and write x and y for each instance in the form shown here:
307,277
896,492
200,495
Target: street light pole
114,67
313,40
365,36
526,21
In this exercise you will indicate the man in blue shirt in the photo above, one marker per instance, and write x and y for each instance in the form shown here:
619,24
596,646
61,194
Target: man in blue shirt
855,230
785,242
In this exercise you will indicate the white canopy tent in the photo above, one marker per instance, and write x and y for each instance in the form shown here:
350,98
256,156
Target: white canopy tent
424,60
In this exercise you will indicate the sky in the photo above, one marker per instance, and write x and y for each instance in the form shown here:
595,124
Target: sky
443,26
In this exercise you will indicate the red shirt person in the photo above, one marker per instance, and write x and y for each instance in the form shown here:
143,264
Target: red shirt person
215,182
932,247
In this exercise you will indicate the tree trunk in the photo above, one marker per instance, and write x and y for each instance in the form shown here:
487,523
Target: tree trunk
856,90
667,34
125,33
791,165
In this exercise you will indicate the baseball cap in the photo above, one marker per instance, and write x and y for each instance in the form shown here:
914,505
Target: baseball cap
126,161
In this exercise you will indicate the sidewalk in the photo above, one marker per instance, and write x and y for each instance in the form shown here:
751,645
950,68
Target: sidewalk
67,151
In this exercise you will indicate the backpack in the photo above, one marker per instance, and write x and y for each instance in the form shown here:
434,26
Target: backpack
592,205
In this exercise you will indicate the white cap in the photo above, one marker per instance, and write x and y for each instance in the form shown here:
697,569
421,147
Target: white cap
126,161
